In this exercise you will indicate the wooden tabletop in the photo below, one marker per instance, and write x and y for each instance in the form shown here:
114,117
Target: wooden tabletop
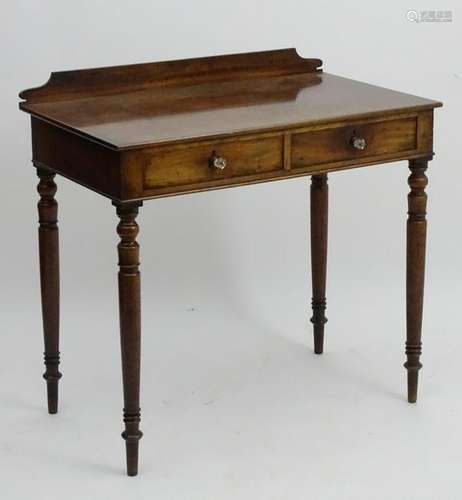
142,105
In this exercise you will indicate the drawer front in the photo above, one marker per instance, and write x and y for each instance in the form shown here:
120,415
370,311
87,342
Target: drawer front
190,164
364,140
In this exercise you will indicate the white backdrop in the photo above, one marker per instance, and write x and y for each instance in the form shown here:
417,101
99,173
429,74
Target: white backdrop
235,405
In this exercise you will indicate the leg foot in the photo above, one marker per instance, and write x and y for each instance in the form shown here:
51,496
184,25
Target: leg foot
412,382
52,376
131,448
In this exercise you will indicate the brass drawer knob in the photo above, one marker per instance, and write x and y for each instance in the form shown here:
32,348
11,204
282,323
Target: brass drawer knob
216,161
358,143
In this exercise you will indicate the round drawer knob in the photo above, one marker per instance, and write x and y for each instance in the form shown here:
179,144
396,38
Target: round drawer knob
216,161
359,143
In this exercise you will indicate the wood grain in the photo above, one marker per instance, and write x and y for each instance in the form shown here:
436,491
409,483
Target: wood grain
334,144
117,79
188,165
144,105
144,173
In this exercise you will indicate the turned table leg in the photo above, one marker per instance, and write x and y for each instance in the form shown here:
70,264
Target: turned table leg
319,216
49,281
130,328
416,238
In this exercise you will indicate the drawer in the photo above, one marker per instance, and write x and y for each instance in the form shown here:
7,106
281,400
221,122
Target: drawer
190,164
362,140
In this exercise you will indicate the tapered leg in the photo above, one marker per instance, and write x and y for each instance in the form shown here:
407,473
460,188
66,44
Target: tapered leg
130,328
319,216
416,238
49,281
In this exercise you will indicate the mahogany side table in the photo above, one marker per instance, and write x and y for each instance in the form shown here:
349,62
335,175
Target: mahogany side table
144,131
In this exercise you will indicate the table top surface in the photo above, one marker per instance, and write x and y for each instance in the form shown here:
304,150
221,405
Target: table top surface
149,104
